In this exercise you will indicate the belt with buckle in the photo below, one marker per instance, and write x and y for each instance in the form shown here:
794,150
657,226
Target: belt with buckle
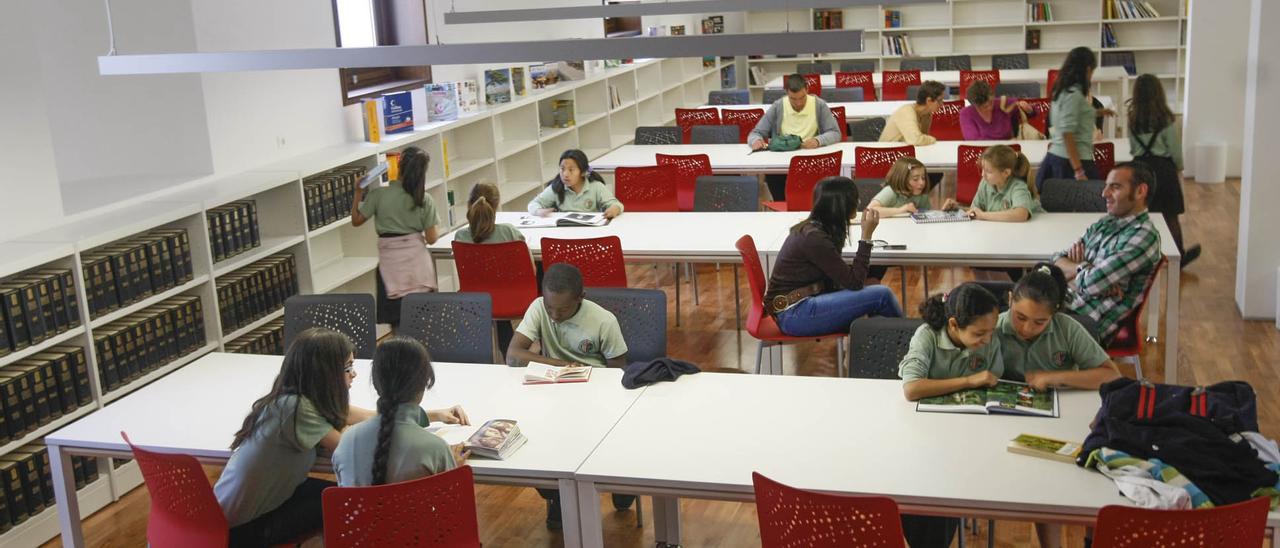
778,303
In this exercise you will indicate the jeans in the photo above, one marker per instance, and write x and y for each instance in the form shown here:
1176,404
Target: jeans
833,312
1057,167
299,515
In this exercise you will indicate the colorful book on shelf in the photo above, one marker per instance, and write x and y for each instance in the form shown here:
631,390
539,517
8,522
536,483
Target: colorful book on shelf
496,439
369,123
468,96
1033,38
519,81
941,216
1006,397
541,373
497,86
1045,448
442,101
397,112
543,75
562,219
562,113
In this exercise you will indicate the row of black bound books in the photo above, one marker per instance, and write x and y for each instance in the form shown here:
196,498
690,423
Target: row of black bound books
268,339
41,388
256,290
142,342
233,229
328,195
37,305
128,271
26,482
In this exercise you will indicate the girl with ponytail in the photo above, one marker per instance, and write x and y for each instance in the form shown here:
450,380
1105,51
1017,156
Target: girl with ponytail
952,350
393,446
1043,345
576,188
482,226
1003,194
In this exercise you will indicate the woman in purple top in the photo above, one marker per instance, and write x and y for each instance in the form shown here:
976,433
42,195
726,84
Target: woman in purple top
989,118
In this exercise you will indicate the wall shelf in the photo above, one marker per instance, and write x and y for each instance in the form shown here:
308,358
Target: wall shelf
149,301
60,338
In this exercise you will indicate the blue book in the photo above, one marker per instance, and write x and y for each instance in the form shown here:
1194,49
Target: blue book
397,112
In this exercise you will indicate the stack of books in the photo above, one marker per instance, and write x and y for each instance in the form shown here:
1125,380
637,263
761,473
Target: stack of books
256,290
897,44
268,339
892,19
828,19
496,439
1130,9
137,344
41,388
328,195
36,305
233,229
1039,11
26,482
131,270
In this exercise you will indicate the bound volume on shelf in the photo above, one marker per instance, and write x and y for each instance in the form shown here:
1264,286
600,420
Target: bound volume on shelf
26,482
130,270
562,113
256,290
328,196
497,86
137,344
233,229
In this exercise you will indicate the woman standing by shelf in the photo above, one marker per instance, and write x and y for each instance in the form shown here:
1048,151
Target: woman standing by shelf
406,219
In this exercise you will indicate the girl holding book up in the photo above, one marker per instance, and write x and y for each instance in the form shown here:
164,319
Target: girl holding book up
952,351
577,189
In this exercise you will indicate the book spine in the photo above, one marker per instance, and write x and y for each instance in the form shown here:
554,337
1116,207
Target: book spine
11,479
371,133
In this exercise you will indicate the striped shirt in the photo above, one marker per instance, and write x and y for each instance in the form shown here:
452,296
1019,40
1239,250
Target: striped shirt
1121,254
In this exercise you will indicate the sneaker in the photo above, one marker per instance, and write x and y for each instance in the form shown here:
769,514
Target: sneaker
1191,255
623,502
553,515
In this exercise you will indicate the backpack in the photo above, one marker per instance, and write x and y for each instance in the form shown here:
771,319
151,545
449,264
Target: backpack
784,143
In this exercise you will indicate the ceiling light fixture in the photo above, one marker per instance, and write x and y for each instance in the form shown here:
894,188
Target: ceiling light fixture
638,9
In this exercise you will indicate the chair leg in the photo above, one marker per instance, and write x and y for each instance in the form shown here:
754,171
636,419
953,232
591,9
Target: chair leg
924,275
639,512
991,533
676,272
902,273
737,301
759,353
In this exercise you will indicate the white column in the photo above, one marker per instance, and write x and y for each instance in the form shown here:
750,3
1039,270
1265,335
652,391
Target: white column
1217,51
1258,253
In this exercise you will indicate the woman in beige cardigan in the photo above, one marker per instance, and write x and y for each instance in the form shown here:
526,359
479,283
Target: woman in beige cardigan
910,123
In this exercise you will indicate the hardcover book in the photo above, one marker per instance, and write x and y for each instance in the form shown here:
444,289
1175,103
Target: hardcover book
497,86
1006,397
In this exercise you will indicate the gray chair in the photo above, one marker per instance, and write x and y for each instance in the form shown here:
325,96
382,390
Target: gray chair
714,135
771,95
658,135
1124,59
642,316
868,130
729,97
1072,196
351,314
857,66
867,190
953,62
842,95
1027,90
916,63
813,68
877,345
455,327
1010,61
726,193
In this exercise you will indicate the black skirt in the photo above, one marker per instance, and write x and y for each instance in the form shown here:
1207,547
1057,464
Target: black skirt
1167,197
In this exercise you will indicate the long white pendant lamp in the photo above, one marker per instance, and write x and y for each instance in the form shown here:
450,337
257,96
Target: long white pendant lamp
638,9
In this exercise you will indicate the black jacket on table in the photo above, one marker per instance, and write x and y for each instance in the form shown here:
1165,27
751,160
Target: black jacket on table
808,256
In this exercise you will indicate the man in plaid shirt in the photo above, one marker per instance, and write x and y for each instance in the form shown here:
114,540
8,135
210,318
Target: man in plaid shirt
1110,266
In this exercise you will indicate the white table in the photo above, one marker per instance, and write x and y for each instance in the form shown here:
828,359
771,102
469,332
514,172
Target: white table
197,409
952,77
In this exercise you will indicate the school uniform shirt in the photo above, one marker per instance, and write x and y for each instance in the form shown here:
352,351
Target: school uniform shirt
1065,345
414,452
263,472
826,130
1120,253
1015,194
802,123
888,197
905,125
502,233
932,355
1166,144
1072,112
590,337
594,198
393,211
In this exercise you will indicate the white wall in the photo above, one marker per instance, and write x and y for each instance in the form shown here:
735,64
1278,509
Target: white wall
32,199
1258,252
1216,65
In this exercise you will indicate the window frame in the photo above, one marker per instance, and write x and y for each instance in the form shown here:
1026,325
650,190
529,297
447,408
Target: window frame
361,83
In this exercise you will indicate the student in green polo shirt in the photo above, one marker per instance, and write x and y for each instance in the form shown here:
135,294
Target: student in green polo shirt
951,351
1045,347
906,189
576,188
1003,194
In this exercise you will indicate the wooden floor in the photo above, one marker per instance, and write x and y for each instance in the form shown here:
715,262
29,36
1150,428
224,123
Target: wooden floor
1216,345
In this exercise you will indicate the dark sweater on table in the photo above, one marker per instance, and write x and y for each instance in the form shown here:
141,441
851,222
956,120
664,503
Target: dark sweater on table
809,256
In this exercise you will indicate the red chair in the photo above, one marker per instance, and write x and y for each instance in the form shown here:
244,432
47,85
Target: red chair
946,122
688,168
874,162
802,175
503,270
1231,526
795,517
813,82
969,171
184,511
1040,109
599,259
746,120
970,76
894,84
1104,158
1128,339
842,121
1049,81
686,118
649,188
761,325
862,80
437,510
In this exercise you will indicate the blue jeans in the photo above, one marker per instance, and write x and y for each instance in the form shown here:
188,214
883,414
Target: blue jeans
833,312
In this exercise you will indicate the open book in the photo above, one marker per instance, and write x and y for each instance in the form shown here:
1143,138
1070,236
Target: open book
541,373
1045,448
562,219
940,216
1006,397
496,439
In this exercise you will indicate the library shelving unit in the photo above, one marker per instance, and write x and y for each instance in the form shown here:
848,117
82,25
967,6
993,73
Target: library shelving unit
509,145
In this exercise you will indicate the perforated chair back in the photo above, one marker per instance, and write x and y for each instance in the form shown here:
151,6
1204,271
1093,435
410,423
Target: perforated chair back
642,317
843,95
795,517
688,168
184,511
727,193
1021,90
874,162
686,118
657,135
894,84
857,66
1230,526
746,246
842,119
504,271
746,119
455,327
877,345
953,62
868,130
1010,61
813,68
714,135
599,259
729,97
813,83
1104,158
861,80
968,77
1039,115
867,190
803,175
969,170
1072,196
917,63
772,95
434,511
946,122
648,188
351,314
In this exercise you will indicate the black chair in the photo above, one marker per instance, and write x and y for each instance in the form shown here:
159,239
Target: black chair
877,345
726,193
953,62
771,95
351,314
842,95
867,130
1028,90
857,66
1124,59
658,135
729,97
1010,61
714,135
1072,196
642,316
867,190
813,68
916,63
455,327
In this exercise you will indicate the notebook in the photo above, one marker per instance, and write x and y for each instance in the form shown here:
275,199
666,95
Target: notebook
940,216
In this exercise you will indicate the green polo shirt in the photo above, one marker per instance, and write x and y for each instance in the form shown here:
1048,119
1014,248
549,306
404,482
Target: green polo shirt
590,337
414,452
888,197
594,198
393,211
932,355
502,233
1015,195
1065,345
1072,112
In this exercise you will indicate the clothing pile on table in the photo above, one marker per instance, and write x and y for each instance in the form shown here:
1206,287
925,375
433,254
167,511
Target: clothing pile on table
1181,447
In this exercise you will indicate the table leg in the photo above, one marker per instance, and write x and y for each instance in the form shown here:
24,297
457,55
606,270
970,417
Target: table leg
1173,273
588,502
666,520
64,491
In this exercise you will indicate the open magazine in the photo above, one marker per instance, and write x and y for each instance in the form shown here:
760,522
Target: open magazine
1006,397
541,373
940,216
562,219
